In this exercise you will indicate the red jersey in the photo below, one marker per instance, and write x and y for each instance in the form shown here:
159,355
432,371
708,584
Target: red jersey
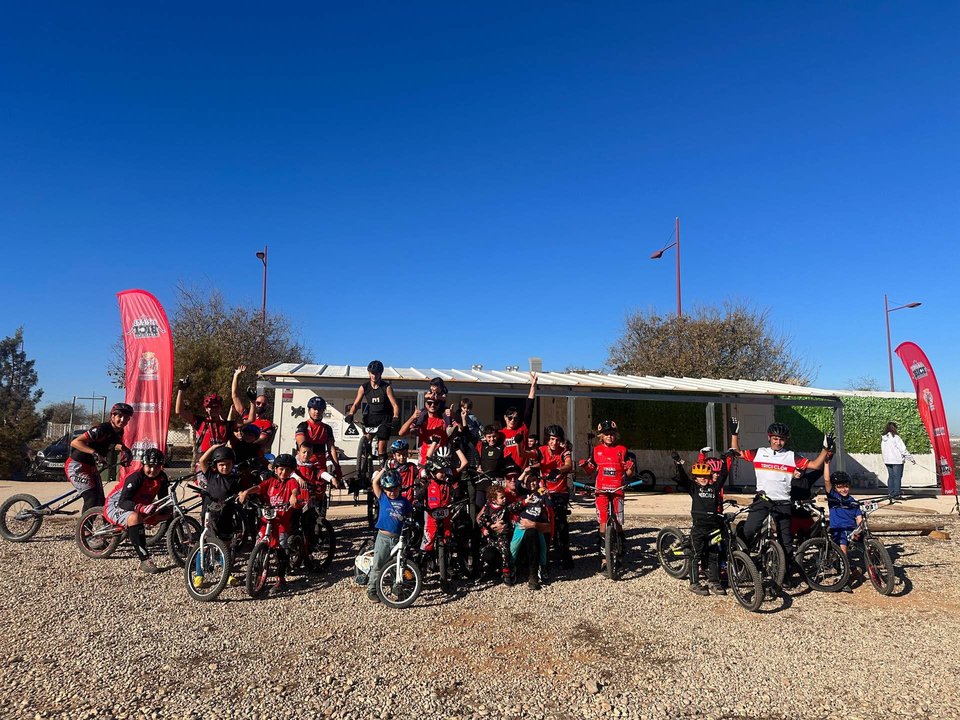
432,428
513,441
211,432
610,461
409,474
310,473
319,435
550,464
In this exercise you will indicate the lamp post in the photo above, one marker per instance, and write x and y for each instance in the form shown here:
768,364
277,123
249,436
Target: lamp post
659,253
262,256
886,313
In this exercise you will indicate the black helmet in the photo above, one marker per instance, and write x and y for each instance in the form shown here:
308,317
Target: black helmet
122,409
840,478
152,457
606,426
317,403
779,429
285,460
554,431
390,480
222,454
375,367
437,463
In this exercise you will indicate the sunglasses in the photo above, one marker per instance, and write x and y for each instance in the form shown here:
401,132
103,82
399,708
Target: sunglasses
430,402
510,417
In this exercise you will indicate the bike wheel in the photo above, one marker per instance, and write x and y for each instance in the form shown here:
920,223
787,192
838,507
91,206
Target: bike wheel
183,534
156,533
613,552
258,570
649,480
673,552
96,537
879,565
443,562
400,592
206,573
773,563
296,551
825,568
17,521
324,546
744,579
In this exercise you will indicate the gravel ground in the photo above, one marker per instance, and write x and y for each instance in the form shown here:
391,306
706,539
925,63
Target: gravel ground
96,639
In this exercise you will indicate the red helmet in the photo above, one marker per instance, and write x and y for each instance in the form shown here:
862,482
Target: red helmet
212,399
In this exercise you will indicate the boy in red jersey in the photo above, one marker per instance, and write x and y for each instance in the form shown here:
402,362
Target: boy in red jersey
515,429
431,428
555,466
610,463
409,472
320,435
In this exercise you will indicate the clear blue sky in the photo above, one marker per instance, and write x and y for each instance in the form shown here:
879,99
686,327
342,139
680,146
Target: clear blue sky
535,154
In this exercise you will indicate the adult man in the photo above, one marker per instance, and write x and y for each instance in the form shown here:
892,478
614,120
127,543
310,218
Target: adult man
95,443
258,413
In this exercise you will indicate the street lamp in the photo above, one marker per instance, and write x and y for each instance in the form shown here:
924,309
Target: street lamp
262,256
659,253
887,310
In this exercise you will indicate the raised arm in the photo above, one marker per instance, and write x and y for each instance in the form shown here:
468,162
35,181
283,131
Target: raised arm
528,406
235,390
735,434
178,407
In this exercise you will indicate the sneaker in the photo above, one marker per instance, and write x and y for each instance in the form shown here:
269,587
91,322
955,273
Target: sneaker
543,575
233,581
148,567
533,582
717,589
846,589
373,597
699,589
508,579
197,582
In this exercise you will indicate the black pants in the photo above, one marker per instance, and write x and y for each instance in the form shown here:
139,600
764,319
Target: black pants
704,554
560,542
93,497
781,512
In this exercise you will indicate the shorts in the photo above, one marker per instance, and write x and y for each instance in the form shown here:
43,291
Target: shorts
114,513
603,507
82,476
378,428
841,536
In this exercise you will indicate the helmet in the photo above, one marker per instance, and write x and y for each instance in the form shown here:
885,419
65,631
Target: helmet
211,400
250,429
779,429
399,446
716,464
554,431
840,478
152,457
221,454
437,463
375,367
285,460
701,470
390,480
317,403
606,426
122,409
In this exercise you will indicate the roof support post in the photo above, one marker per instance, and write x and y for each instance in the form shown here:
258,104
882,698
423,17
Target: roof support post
838,429
711,425
572,422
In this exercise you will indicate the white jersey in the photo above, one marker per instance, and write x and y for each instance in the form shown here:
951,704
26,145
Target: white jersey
774,470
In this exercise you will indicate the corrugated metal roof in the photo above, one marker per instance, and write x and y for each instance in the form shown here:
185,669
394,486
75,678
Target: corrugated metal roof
583,381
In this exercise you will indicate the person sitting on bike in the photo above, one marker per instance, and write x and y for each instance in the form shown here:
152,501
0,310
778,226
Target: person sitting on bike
408,471
845,513
133,502
258,413
774,467
496,527
706,508
515,429
320,435
313,479
218,480
281,491
430,427
93,445
439,494
555,466
394,508
380,407
610,463
211,428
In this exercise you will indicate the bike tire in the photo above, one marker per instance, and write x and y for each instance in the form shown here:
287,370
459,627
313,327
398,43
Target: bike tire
879,566
611,554
95,536
258,570
212,569
156,533
649,480
825,568
296,551
20,529
443,562
403,592
773,563
324,546
364,461
745,581
672,551
183,534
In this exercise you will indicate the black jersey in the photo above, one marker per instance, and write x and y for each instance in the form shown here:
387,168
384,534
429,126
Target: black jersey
101,438
492,460
377,408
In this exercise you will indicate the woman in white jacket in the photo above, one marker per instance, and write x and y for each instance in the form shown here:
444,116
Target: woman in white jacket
894,454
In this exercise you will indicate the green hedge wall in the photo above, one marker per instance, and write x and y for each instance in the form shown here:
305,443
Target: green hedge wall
864,419
653,425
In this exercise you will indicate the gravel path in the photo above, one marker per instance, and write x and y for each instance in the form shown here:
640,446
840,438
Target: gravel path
96,639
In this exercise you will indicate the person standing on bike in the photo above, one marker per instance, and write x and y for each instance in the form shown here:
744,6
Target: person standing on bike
706,508
515,429
211,428
556,463
775,467
95,443
320,436
380,407
610,463
258,413
133,501
387,487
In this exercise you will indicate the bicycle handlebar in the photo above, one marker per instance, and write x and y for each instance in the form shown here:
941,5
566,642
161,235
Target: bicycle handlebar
612,490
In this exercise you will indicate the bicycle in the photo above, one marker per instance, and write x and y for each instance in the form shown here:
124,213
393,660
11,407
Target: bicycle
676,557
876,557
259,562
208,564
824,566
452,546
367,465
614,539
401,581
320,543
766,547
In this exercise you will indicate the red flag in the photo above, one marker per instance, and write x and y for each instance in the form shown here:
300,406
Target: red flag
148,345
931,412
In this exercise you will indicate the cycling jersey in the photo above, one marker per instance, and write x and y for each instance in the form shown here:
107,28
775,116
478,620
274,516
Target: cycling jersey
319,435
707,500
266,427
514,442
610,461
101,438
378,409
491,459
774,470
843,510
211,431
278,492
311,474
550,465
138,489
433,429
409,475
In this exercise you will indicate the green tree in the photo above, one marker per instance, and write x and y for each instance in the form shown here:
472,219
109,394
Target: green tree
20,423
59,412
730,342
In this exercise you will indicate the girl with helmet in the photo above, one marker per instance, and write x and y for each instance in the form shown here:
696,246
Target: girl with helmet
380,407
132,503
94,444
320,435
394,508
556,463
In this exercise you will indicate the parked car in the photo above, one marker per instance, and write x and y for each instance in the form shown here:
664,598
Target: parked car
48,463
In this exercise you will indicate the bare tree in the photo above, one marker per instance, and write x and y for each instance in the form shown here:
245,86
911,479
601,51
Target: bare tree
864,382
734,342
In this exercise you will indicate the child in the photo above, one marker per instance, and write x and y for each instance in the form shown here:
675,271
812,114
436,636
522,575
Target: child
283,492
529,542
131,503
706,492
495,526
408,471
611,465
393,509
845,513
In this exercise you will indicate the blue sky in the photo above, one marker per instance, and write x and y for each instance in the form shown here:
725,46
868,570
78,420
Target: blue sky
492,177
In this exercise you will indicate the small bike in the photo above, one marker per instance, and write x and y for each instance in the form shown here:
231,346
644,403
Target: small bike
876,557
825,568
401,582
209,563
263,556
614,539
453,541
765,547
22,515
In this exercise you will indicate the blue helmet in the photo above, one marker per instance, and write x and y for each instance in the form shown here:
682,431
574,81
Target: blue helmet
399,446
390,480
317,403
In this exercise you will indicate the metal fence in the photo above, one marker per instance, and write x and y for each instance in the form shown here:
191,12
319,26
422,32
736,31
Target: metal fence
182,437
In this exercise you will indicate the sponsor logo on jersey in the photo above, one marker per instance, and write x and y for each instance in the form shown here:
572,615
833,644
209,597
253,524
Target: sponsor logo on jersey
146,327
778,467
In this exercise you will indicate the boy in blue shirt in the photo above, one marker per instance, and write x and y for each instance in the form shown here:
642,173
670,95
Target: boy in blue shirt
845,513
387,485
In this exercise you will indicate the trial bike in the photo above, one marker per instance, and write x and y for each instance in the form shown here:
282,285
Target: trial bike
209,563
263,556
614,538
876,557
824,566
765,547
